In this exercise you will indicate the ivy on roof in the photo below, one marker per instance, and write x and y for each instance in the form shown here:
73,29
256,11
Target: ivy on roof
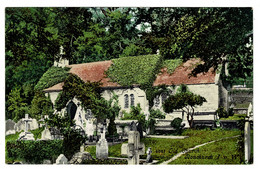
171,64
51,77
139,70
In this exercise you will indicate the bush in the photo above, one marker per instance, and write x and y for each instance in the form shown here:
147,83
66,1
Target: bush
156,114
222,113
176,124
34,152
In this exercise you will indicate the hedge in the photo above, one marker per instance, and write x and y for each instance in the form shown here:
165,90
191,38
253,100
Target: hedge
34,152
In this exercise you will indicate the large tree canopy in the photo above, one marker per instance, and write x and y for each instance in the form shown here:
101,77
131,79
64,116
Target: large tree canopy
33,37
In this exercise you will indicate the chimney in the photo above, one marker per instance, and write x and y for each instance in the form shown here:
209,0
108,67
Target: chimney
62,61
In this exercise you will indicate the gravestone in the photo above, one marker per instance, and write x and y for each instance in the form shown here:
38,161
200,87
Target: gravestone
61,159
46,134
26,135
9,127
247,133
133,148
149,155
102,146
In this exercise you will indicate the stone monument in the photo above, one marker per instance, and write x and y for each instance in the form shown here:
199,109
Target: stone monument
149,155
102,146
133,148
61,159
26,135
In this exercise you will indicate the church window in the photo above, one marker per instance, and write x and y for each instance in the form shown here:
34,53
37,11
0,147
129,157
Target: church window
157,101
126,101
132,99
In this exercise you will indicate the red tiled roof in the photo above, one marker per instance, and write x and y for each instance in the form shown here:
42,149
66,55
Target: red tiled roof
95,72
181,75
56,87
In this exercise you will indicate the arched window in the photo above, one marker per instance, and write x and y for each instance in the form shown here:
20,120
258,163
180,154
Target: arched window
132,97
157,101
72,109
126,101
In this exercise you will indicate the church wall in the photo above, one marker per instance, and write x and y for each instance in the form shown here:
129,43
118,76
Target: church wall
53,96
139,97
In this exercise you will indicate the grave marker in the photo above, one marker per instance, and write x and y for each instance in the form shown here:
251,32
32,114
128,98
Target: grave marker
102,146
133,148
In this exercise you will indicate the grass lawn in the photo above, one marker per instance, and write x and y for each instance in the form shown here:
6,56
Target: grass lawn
164,149
235,117
220,152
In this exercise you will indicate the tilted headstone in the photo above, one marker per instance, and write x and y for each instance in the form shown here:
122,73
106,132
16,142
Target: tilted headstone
133,148
61,159
102,146
9,127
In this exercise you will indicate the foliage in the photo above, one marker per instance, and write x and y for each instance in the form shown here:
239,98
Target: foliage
171,64
222,113
156,114
41,105
235,117
135,114
37,133
52,76
176,124
133,70
34,152
154,91
72,137
16,106
184,100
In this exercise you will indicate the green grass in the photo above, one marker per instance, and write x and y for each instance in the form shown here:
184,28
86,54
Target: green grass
242,105
164,149
235,117
220,152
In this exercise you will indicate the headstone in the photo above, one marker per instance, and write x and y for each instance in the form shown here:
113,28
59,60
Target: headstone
102,146
247,141
46,134
46,161
26,135
61,159
149,155
9,127
133,148
19,126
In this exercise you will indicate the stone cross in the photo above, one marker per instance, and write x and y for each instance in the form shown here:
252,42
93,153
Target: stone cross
102,146
133,148
26,120
61,50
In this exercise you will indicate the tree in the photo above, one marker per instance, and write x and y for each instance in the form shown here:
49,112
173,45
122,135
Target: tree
185,101
41,105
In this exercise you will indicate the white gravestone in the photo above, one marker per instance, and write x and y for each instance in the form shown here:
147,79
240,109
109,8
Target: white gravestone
61,159
133,148
102,146
247,134
26,135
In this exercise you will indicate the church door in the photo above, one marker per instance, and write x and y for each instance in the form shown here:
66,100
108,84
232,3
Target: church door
71,109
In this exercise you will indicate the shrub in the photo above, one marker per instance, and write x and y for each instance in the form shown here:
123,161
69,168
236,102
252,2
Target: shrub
34,152
156,114
176,124
230,112
222,113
